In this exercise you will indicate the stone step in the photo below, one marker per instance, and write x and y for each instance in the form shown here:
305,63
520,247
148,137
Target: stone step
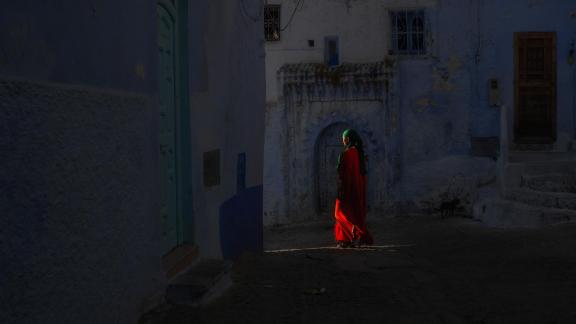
514,172
199,283
553,182
561,200
207,280
572,146
505,213
532,156
531,147
544,167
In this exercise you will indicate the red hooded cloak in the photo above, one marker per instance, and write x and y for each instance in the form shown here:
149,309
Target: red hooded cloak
350,210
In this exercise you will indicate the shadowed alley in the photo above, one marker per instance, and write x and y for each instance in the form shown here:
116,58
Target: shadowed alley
183,161
421,270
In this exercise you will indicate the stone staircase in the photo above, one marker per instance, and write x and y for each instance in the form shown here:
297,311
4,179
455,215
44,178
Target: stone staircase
536,188
198,286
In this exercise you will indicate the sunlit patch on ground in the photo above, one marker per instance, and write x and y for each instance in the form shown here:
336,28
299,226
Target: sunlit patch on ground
389,248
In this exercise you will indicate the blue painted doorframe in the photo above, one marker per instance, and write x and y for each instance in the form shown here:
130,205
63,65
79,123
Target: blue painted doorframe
184,140
174,127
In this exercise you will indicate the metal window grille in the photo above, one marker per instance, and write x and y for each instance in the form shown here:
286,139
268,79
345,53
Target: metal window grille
272,22
408,32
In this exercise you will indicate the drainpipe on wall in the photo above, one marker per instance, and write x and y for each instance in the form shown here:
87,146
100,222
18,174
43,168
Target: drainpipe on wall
503,158
573,108
571,63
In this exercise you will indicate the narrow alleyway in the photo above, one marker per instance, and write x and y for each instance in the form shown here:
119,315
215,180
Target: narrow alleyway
421,270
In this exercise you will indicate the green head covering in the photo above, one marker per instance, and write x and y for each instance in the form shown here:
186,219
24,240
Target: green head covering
354,141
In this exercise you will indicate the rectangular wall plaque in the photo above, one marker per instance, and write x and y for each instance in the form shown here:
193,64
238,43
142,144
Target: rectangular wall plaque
241,172
211,168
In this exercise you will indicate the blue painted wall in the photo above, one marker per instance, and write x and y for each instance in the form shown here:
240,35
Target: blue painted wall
79,181
79,230
241,224
109,44
498,24
444,95
227,89
79,178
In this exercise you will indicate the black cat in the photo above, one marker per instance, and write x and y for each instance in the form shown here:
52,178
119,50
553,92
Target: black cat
447,208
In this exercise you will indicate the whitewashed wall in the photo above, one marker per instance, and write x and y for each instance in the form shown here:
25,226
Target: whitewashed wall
363,28
227,105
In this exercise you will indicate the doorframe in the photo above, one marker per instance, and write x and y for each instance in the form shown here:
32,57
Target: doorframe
178,9
316,161
554,108
183,141
370,199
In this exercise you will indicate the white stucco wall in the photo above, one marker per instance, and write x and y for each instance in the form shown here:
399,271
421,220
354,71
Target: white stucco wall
227,106
362,27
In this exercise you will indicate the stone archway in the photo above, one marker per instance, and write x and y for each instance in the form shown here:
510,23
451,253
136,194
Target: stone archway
328,149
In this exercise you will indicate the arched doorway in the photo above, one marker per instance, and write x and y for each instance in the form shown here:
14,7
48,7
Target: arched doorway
328,149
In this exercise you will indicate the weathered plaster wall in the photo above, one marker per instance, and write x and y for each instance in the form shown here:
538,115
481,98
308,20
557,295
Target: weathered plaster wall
79,201
496,53
436,96
360,98
363,37
105,43
309,122
444,94
318,19
79,181
227,107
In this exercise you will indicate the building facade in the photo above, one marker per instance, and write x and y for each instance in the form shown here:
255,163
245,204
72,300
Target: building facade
128,130
457,70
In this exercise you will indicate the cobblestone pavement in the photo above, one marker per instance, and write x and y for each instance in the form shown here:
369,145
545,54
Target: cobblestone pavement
421,270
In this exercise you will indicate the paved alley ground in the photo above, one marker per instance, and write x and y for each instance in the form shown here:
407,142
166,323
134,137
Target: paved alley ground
421,270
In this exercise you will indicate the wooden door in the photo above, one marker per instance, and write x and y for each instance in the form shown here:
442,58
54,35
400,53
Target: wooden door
168,103
535,87
329,147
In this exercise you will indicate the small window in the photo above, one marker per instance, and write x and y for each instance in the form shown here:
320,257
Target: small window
408,32
272,22
331,51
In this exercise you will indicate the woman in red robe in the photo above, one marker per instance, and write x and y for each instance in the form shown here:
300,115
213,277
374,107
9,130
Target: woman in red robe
350,210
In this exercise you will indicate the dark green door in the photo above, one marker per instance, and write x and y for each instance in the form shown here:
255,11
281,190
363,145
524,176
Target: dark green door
168,102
